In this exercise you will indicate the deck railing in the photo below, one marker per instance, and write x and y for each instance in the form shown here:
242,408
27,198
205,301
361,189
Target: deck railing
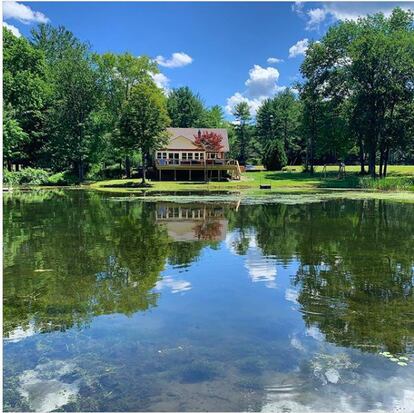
194,162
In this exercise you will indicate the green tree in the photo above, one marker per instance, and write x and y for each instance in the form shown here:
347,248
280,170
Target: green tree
76,96
368,66
278,119
213,118
143,121
243,133
117,73
274,157
25,95
13,138
185,109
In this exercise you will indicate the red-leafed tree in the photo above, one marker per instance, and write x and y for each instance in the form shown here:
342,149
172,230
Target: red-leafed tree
209,141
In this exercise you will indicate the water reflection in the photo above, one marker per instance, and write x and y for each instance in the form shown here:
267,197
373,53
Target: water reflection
265,307
192,222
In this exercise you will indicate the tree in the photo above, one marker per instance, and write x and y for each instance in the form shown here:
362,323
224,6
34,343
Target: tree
367,66
274,158
213,118
26,95
143,120
185,109
209,141
76,96
117,74
13,138
242,114
278,119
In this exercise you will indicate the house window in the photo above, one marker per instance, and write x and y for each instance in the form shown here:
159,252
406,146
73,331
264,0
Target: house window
201,155
164,155
184,156
190,156
197,156
158,155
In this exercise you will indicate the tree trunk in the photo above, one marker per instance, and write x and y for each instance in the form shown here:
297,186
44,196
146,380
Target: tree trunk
381,162
127,167
9,165
144,167
372,155
361,156
80,170
387,151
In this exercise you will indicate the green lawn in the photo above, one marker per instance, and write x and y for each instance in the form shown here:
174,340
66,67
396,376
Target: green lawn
400,178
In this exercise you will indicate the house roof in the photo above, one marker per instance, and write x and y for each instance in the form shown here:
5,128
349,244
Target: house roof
183,138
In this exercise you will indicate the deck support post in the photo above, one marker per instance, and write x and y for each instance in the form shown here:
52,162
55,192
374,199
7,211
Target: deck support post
189,174
219,175
159,174
175,174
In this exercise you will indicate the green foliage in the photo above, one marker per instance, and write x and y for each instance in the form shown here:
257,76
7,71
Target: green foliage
185,109
243,131
26,176
274,158
144,119
358,83
390,183
278,119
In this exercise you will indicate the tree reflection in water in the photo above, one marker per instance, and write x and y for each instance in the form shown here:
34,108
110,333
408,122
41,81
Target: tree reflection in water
73,255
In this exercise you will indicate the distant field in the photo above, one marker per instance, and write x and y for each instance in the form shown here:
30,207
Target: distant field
400,178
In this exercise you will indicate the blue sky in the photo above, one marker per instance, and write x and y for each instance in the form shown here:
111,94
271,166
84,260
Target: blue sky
227,52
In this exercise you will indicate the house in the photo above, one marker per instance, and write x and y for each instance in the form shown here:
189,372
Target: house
195,153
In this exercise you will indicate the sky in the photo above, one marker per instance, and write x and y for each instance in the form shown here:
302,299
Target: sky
226,52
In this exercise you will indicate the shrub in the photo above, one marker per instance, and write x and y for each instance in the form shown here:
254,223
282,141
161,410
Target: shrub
10,178
26,176
390,183
32,176
62,179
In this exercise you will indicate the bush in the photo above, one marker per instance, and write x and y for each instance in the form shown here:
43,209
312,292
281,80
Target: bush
26,176
10,178
62,179
97,173
37,177
388,184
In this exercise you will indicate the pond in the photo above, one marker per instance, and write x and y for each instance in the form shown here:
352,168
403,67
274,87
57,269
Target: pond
116,304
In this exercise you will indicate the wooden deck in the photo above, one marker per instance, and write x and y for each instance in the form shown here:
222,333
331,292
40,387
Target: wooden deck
230,166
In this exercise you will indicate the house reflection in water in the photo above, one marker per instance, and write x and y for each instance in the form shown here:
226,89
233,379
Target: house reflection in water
192,222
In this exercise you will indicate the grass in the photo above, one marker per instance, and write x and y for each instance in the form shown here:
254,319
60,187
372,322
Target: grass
400,178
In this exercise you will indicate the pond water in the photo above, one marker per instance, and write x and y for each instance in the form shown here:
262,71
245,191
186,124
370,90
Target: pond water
115,304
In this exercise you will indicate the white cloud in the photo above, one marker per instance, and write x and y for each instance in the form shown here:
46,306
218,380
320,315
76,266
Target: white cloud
13,29
299,48
291,295
352,11
316,17
161,80
262,81
274,60
237,98
330,12
261,84
297,7
176,286
23,13
178,59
